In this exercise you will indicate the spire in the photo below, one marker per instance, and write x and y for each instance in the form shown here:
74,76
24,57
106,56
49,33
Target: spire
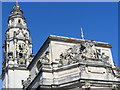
16,12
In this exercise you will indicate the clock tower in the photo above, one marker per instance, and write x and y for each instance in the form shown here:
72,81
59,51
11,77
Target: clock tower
17,50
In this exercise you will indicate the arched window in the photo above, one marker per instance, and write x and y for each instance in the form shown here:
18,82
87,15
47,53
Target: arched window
19,21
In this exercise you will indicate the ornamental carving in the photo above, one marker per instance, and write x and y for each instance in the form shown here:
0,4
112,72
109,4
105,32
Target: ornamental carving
45,57
25,83
83,51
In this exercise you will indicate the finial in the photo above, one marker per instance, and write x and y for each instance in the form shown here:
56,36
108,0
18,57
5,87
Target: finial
17,3
16,6
82,34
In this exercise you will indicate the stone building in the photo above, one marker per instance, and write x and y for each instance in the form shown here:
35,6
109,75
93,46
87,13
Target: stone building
61,62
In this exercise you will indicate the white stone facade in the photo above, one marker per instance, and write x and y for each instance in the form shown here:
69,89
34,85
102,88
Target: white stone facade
71,63
61,63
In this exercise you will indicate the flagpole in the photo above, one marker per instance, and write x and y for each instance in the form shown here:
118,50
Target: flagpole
82,34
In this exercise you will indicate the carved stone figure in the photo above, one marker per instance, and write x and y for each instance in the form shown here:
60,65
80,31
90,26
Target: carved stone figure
98,54
85,50
89,51
105,57
45,57
25,83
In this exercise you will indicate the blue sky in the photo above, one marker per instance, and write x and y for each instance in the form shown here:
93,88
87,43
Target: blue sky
99,21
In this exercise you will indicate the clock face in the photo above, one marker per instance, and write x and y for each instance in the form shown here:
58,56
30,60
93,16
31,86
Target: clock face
21,47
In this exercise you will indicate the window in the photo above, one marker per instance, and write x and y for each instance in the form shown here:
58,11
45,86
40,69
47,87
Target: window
10,54
19,20
20,55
